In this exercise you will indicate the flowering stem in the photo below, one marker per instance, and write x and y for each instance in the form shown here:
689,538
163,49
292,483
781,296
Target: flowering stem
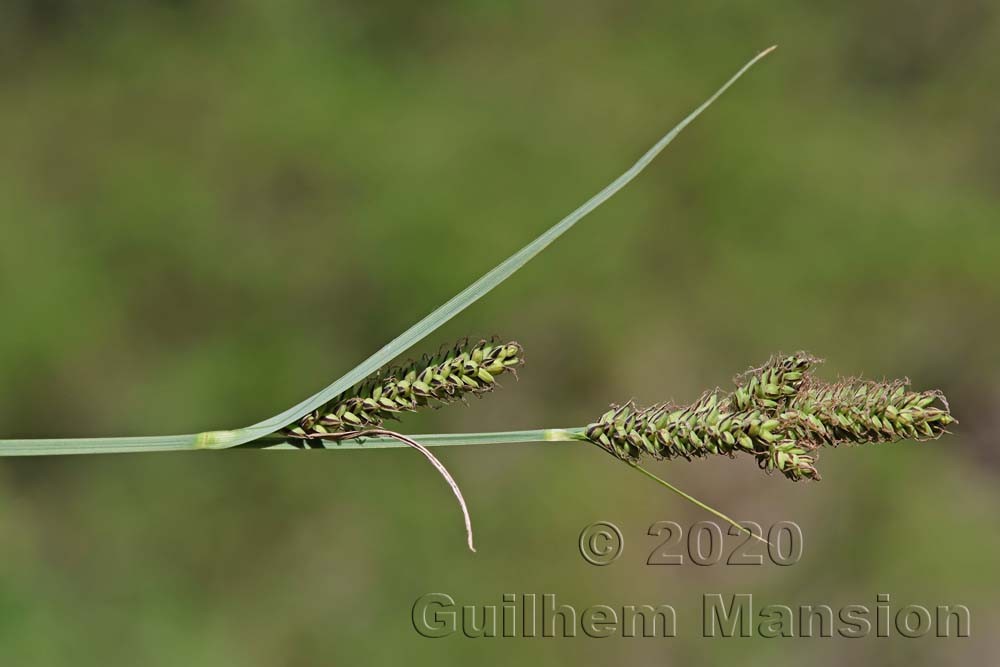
383,439
428,440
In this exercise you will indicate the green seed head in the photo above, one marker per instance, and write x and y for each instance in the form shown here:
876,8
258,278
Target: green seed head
449,376
777,413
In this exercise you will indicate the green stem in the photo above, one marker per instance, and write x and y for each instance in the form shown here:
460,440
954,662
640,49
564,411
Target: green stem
193,442
178,443
430,439
494,438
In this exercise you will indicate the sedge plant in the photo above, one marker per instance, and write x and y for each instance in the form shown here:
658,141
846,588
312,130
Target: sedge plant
777,414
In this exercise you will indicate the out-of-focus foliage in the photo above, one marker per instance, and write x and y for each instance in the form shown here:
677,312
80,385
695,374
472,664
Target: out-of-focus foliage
209,210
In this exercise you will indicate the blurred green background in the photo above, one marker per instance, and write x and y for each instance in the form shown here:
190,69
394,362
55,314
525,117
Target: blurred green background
208,210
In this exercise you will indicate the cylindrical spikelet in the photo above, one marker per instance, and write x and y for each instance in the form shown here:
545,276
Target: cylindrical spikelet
863,411
448,376
705,428
779,415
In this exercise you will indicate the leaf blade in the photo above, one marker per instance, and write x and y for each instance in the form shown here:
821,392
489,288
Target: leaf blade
479,288
413,335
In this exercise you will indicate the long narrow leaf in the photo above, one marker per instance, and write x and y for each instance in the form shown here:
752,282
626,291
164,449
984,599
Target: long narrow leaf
54,446
413,335
472,293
